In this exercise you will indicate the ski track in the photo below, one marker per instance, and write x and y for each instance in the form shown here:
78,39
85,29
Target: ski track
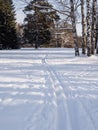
55,116
47,113
63,109
56,99
79,99
59,86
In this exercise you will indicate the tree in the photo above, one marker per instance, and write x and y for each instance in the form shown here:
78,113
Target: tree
7,28
88,28
90,25
83,28
93,34
38,24
97,34
1,26
73,19
69,10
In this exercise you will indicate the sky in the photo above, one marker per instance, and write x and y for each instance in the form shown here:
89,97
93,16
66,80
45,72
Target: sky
19,6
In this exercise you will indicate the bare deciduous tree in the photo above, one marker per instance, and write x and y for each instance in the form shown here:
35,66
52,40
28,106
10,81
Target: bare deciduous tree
93,34
69,10
73,19
88,28
83,28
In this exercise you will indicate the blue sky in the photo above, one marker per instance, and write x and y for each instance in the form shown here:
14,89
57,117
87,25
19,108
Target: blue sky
20,16
19,6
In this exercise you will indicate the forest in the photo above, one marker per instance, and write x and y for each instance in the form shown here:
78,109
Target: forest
44,26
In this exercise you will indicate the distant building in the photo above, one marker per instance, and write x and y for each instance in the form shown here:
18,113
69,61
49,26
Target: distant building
63,34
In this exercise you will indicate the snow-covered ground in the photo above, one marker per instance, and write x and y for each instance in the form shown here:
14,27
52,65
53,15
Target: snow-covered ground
48,89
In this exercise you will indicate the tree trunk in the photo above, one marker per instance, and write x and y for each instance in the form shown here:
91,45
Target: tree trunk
97,32
73,19
83,28
88,29
93,35
97,47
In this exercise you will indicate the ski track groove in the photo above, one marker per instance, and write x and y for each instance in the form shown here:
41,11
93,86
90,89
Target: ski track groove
71,84
43,115
57,84
84,107
54,74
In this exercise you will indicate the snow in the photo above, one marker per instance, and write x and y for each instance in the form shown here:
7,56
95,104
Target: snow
48,89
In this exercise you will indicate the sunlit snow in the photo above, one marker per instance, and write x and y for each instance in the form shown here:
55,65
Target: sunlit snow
48,89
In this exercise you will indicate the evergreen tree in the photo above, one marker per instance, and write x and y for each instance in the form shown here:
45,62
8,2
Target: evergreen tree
8,34
37,25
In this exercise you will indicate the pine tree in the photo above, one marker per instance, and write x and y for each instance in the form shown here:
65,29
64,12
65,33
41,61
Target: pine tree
38,24
2,24
7,29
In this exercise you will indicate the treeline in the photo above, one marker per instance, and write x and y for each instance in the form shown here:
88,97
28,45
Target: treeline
41,16
8,35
